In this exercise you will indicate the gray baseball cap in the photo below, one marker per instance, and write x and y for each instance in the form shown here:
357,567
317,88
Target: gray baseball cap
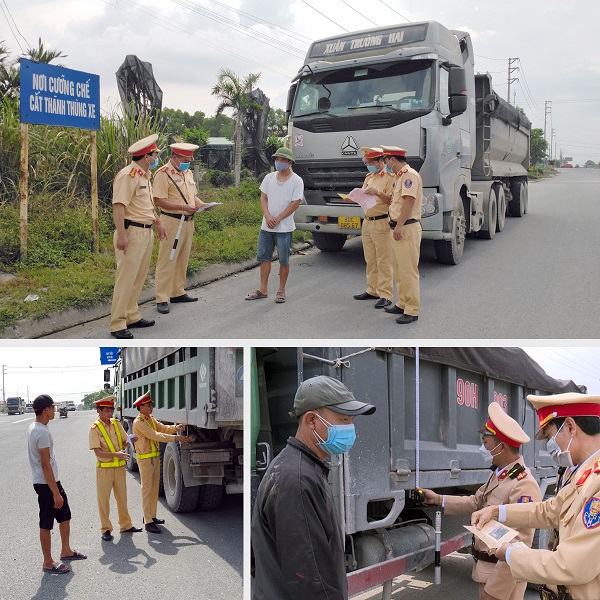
327,392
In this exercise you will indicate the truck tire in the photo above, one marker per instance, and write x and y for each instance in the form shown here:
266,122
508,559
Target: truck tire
490,217
210,497
518,204
131,464
501,204
450,252
329,242
179,498
161,485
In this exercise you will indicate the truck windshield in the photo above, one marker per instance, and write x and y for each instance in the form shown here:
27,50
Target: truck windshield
403,87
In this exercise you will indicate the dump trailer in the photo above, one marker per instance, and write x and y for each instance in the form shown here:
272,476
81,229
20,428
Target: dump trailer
423,435
201,388
15,406
412,86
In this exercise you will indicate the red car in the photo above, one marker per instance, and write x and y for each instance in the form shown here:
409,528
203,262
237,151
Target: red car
566,166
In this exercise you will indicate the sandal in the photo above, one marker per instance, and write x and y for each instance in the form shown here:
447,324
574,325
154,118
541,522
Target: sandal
75,556
280,297
257,295
57,568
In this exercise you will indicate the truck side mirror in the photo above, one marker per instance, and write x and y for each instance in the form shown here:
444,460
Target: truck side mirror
457,92
107,376
290,101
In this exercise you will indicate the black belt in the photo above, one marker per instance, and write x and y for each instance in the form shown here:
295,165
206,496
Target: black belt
407,222
377,217
485,557
176,216
134,224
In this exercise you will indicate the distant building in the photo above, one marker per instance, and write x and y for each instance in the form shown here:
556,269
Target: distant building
217,154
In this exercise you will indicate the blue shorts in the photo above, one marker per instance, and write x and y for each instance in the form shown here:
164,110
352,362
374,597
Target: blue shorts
267,240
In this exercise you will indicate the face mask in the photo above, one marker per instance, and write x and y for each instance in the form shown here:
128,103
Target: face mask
281,166
487,454
154,164
388,169
561,457
340,438
373,168
184,166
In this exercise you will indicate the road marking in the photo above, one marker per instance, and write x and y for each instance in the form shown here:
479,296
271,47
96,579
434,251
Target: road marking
21,420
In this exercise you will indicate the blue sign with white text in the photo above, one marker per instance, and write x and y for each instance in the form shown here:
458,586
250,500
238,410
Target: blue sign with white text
52,95
109,356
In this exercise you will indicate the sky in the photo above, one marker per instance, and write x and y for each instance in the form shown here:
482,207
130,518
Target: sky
65,373
188,41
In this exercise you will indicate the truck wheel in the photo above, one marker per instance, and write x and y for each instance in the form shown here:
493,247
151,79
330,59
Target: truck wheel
519,198
161,485
450,252
501,203
490,217
178,497
210,497
131,464
329,242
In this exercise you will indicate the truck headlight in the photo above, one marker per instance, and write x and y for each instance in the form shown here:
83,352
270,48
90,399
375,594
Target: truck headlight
430,206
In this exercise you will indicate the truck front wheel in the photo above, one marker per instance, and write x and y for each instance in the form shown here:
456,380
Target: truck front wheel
450,252
178,497
329,242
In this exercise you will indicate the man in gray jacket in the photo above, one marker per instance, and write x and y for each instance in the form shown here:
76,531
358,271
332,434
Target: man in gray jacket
297,542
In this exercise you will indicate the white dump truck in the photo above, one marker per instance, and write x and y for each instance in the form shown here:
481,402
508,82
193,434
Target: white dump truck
412,86
201,388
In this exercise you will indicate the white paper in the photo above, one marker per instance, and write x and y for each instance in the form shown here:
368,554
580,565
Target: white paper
493,534
366,201
132,438
209,205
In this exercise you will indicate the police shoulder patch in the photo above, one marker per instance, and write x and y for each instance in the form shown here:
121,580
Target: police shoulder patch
94,425
525,499
591,513
140,173
522,475
132,172
408,183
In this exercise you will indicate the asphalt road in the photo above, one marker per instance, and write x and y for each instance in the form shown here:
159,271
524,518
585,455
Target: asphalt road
456,583
535,280
198,555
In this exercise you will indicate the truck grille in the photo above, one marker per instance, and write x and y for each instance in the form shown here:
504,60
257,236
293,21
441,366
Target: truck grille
341,176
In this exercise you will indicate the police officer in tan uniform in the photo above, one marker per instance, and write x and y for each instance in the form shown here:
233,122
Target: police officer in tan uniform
108,440
572,571
376,231
133,214
150,433
405,237
509,482
176,195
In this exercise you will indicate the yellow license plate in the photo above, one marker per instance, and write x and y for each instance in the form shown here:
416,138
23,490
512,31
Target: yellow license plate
349,222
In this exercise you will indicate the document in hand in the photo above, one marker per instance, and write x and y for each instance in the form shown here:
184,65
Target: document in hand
209,205
493,534
366,201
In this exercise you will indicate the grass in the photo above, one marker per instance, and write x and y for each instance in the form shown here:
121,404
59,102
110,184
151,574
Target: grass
63,271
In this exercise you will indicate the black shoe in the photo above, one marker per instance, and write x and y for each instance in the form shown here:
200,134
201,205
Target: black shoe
132,530
158,521
163,307
365,296
122,334
382,303
107,536
404,319
142,323
184,298
394,310
152,528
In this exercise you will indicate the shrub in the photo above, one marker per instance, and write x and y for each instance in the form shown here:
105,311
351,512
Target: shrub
219,178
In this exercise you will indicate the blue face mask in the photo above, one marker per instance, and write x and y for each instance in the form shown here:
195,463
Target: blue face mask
373,168
340,438
184,166
281,166
388,169
154,164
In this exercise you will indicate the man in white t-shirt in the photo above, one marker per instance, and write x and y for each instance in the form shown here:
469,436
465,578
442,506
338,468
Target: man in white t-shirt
52,498
281,194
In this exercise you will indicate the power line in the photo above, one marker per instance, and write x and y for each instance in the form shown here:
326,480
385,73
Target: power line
359,13
394,10
560,362
309,6
11,27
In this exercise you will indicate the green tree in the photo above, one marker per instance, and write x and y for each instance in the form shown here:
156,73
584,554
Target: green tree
220,126
232,92
198,135
276,122
590,164
538,146
175,121
89,399
42,54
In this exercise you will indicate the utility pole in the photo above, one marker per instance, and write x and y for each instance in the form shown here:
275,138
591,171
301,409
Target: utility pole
511,79
552,154
547,111
3,394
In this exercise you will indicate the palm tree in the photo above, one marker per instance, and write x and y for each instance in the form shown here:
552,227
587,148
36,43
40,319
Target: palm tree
42,54
232,92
